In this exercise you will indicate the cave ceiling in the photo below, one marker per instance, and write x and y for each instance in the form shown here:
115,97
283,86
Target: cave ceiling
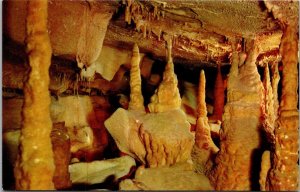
201,30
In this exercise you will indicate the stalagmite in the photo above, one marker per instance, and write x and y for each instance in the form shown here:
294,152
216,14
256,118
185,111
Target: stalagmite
35,165
167,95
218,96
240,133
161,137
204,146
136,97
284,175
269,112
265,167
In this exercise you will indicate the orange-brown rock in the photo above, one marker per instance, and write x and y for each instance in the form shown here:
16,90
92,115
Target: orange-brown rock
204,147
269,113
61,149
241,120
284,172
219,96
166,96
161,137
35,164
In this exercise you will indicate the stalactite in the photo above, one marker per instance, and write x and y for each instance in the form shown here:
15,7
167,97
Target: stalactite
284,172
240,133
136,97
35,165
269,112
204,146
219,96
275,81
167,96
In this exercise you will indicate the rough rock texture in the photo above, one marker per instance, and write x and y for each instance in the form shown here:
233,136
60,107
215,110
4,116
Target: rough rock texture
241,120
98,171
35,165
204,146
154,139
166,138
177,177
284,173
167,96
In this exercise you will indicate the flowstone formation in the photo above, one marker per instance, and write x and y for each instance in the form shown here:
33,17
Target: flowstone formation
158,139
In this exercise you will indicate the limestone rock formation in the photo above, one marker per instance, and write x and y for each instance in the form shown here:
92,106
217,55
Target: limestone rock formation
177,177
241,120
136,97
284,173
204,146
269,112
167,95
35,167
155,139
265,167
62,156
98,171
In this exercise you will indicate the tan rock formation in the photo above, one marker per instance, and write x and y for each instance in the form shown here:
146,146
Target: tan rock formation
265,167
204,146
269,111
166,138
35,165
136,97
275,81
61,149
98,171
284,172
180,176
241,120
161,137
167,96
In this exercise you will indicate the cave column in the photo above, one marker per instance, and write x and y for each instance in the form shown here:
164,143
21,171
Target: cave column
35,165
284,171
